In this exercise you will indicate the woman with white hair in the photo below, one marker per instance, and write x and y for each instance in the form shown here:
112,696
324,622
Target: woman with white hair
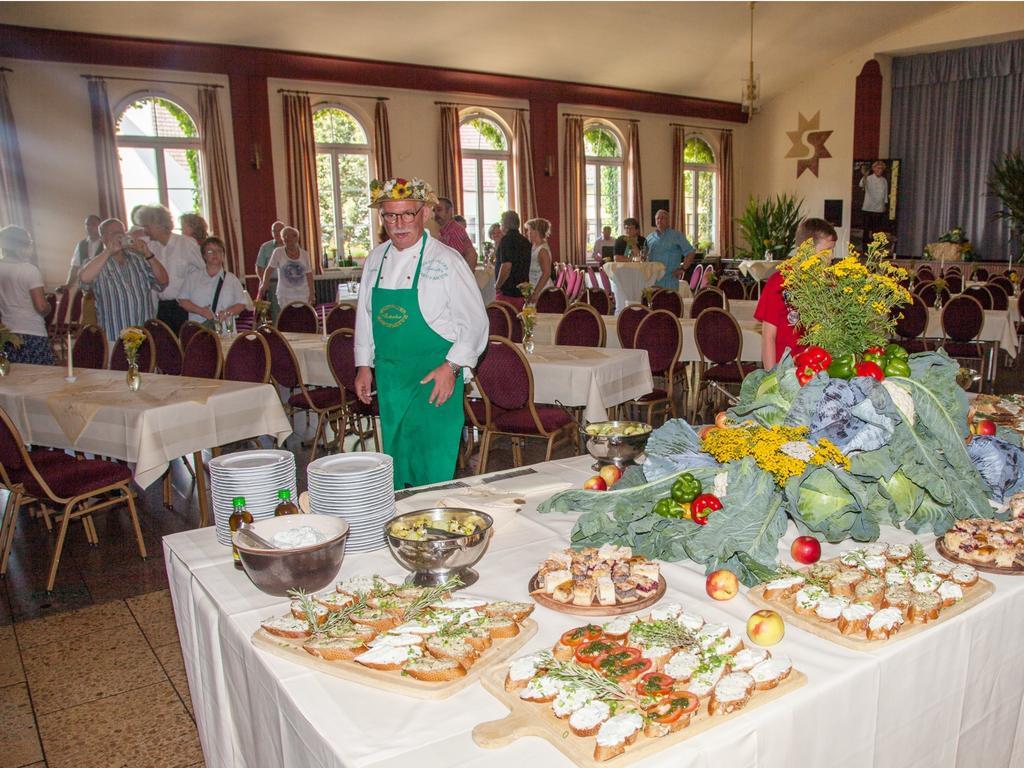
22,302
180,256
293,269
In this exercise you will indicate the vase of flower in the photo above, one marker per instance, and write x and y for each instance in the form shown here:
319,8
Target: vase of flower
528,317
132,339
133,378
262,313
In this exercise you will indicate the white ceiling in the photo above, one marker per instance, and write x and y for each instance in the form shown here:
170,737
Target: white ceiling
689,48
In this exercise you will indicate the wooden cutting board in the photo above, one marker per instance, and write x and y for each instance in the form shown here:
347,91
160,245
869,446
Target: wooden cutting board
532,719
394,682
830,629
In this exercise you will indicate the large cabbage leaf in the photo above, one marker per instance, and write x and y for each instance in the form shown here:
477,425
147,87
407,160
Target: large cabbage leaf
936,372
767,396
673,448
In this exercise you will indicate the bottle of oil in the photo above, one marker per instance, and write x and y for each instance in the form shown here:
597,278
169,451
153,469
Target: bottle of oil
239,515
285,505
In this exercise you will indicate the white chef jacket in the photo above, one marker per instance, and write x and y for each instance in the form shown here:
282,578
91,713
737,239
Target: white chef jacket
199,288
876,193
180,256
449,297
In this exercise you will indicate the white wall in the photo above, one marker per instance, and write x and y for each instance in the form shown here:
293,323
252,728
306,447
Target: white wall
831,89
50,102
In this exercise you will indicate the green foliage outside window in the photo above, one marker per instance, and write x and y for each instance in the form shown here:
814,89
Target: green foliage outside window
494,136
345,173
599,142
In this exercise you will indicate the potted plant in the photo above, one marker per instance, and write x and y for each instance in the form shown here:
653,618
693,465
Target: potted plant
1007,183
769,227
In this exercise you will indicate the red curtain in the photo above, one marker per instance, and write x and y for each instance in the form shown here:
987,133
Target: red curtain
574,191
449,172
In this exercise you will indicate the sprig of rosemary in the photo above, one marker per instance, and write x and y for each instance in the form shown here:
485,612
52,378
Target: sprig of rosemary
665,633
583,677
919,557
334,621
429,596
786,571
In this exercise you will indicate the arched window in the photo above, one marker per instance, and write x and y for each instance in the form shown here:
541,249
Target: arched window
700,193
343,183
158,148
603,181
485,174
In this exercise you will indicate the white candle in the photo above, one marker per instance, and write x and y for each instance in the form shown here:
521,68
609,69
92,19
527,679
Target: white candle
71,354
323,312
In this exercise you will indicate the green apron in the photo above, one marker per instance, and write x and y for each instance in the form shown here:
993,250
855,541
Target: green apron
423,439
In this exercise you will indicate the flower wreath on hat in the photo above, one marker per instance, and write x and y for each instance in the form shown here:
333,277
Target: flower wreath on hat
399,189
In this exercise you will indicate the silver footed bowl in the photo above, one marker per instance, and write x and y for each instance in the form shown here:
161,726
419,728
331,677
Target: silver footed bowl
616,448
434,560
310,568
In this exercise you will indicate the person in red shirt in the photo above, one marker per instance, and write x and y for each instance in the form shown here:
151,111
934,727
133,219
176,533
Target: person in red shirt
779,321
452,233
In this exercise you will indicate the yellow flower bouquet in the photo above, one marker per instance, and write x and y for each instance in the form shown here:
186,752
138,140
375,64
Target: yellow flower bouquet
783,452
848,306
132,339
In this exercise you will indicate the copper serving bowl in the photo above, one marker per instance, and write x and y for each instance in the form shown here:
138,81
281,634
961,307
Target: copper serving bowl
616,448
434,560
310,568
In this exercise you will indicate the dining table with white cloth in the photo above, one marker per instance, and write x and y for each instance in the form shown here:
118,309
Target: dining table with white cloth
948,696
167,418
629,278
546,323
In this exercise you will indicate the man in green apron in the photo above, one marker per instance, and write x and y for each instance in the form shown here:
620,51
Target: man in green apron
419,323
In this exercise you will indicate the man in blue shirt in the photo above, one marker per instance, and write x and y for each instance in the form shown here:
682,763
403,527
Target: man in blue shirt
669,247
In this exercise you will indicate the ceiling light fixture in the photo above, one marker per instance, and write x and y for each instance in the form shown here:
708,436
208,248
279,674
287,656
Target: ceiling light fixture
750,100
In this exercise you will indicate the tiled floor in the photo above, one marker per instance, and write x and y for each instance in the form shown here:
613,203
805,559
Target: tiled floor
91,675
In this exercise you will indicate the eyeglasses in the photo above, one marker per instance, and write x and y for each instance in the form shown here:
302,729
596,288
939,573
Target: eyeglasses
405,216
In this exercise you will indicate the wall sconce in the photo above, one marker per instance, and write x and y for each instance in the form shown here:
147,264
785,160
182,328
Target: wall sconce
256,160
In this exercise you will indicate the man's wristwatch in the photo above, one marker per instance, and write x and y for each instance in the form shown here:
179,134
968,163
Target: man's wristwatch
456,368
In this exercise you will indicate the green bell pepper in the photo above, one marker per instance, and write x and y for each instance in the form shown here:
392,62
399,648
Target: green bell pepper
896,366
842,366
667,508
896,351
686,488
873,355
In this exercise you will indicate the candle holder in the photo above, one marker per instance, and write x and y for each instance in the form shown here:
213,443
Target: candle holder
70,379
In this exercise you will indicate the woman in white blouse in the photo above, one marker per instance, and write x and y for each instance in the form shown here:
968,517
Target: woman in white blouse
540,255
294,271
22,303
213,292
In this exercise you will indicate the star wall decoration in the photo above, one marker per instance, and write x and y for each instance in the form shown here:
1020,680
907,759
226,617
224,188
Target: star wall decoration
808,154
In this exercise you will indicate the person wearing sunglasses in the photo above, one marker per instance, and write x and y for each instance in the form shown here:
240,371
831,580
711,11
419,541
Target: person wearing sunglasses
419,324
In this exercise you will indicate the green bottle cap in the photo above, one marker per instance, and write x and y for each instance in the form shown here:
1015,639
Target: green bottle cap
284,494
238,501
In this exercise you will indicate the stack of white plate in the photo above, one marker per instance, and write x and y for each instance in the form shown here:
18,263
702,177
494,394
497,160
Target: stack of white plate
358,487
257,476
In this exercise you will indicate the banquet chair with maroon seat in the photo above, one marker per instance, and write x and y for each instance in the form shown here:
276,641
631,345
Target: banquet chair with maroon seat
341,357
328,403
245,321
515,323
670,301
145,357
505,379
580,326
89,349
499,320
696,277
924,274
552,301
627,322
929,292
342,316
981,293
963,317
660,335
202,358
598,299
911,324
298,317
980,273
720,341
732,288
247,359
1000,298
187,330
80,487
954,283
478,412
708,297
1003,282
168,350
561,275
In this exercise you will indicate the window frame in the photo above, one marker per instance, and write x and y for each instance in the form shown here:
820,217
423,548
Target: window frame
619,161
716,195
478,156
161,144
335,150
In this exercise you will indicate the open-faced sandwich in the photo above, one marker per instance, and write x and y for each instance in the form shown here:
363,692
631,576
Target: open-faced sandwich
608,576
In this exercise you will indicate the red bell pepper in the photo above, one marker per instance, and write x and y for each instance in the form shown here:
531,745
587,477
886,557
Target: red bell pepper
811,361
702,506
868,368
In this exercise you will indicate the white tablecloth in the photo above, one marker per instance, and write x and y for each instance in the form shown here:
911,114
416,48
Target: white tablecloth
741,309
629,278
759,270
544,333
951,696
998,327
169,417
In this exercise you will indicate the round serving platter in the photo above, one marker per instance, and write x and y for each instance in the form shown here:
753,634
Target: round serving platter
534,588
940,545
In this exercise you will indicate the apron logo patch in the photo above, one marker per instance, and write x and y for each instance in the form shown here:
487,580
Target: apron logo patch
392,316
435,270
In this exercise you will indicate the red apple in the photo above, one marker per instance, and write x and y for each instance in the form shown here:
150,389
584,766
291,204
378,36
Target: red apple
806,550
611,474
722,585
985,427
596,483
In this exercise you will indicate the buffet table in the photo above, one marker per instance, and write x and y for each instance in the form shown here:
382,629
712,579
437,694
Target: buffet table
948,696
629,278
169,417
